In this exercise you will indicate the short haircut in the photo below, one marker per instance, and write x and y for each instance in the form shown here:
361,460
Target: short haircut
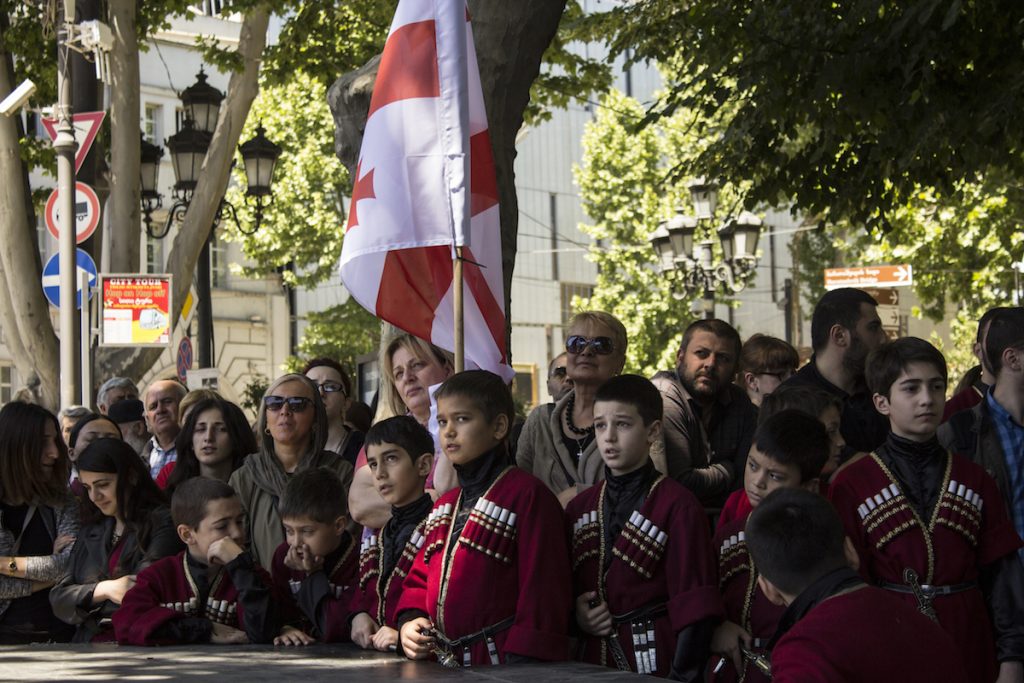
179,389
838,307
795,537
487,391
191,498
359,415
986,320
719,328
80,425
115,383
620,338
762,353
346,383
888,361
317,494
636,391
806,399
403,431
73,413
1006,331
792,437
554,362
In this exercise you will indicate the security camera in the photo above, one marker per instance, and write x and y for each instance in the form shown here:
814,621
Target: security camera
96,35
18,98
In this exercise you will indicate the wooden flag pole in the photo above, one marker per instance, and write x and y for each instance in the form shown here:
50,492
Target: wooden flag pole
460,341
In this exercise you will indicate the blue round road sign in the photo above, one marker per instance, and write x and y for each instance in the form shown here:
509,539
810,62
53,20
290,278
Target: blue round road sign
184,363
51,278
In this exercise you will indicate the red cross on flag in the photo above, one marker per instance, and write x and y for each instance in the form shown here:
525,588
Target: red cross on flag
425,184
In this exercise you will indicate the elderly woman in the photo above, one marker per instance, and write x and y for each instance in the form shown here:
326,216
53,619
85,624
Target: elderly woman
335,390
410,367
38,523
557,442
292,429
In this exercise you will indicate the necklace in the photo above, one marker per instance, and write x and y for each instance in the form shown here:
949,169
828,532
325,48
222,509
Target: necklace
585,431
115,538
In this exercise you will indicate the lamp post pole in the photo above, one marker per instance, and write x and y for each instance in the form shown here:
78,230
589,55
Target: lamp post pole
65,146
204,308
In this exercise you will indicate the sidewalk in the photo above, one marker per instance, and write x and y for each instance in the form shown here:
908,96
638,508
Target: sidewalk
249,663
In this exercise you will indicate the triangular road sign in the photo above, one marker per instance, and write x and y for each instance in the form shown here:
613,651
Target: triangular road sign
87,125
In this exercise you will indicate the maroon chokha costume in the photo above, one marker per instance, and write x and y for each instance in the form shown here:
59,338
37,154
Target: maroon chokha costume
641,542
172,603
745,602
865,636
493,572
932,528
321,601
386,558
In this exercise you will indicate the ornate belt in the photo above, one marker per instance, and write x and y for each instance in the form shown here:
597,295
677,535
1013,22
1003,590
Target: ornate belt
487,634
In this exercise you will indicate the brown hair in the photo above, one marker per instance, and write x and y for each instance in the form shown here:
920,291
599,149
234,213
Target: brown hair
719,328
189,502
763,353
192,398
22,477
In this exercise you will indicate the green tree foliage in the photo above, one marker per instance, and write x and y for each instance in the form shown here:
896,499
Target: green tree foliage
845,108
342,332
302,230
626,189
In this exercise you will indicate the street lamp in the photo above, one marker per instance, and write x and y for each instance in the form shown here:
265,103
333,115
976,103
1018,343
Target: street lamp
188,148
692,262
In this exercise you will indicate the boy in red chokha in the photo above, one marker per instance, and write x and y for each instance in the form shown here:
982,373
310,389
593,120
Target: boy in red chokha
643,572
400,455
491,583
317,565
931,526
212,592
789,450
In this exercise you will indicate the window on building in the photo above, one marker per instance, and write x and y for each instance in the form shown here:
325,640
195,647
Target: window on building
524,386
569,291
154,255
151,123
6,383
218,261
210,8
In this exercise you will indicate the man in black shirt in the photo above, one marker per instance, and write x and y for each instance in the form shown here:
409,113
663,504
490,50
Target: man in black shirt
845,328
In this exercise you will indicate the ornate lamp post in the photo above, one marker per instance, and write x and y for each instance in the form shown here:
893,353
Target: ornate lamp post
691,263
188,148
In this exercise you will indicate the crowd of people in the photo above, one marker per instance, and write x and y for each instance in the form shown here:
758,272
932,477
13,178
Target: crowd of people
739,517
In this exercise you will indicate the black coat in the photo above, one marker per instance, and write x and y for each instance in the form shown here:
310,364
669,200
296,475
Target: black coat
71,598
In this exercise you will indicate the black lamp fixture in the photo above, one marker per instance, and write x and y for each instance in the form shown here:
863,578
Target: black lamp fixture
188,149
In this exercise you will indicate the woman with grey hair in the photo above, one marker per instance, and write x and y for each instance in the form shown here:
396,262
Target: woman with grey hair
291,431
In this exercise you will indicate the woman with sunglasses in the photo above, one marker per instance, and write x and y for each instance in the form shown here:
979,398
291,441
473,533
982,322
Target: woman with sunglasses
292,430
557,442
213,443
127,526
335,390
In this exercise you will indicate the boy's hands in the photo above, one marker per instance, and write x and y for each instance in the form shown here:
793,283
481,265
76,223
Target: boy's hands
415,643
290,635
363,628
385,639
113,589
223,551
726,642
301,559
227,635
597,621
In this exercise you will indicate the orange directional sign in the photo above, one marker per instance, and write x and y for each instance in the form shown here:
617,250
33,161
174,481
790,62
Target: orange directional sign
869,276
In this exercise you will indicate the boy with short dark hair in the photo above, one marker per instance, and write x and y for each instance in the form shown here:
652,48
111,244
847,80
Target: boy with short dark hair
212,592
400,455
789,450
642,571
930,526
836,629
491,583
317,565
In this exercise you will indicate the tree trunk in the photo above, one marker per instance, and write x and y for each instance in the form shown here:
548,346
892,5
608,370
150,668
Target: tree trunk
510,39
123,206
24,312
213,181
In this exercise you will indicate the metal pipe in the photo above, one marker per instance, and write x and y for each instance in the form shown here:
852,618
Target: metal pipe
65,146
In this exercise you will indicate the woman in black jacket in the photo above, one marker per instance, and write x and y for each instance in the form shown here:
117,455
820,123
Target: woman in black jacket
126,526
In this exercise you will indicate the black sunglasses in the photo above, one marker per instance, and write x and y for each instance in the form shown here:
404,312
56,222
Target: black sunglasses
296,404
577,344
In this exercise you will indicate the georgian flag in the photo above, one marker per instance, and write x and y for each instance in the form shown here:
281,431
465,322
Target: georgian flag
425,183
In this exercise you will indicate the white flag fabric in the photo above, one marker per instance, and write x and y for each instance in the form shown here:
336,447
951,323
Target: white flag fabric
425,183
